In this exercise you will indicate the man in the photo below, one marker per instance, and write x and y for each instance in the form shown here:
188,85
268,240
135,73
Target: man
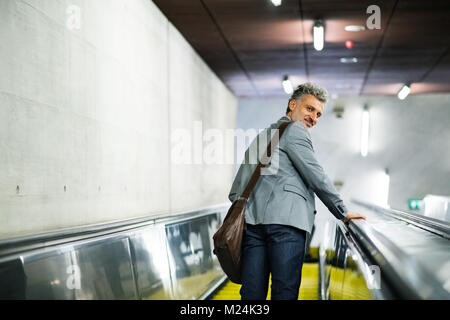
281,208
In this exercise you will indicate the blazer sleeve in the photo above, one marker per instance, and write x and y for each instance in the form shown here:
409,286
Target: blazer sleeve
300,151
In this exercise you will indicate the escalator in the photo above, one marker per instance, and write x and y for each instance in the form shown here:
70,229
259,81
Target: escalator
392,255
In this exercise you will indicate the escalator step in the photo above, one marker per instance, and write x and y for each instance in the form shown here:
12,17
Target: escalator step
308,290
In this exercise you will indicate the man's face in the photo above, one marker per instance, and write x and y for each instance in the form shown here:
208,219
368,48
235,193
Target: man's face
307,109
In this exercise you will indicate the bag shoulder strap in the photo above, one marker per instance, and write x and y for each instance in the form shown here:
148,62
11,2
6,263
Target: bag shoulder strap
257,173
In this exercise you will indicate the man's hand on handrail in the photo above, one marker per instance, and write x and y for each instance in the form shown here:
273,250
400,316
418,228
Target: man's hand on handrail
353,216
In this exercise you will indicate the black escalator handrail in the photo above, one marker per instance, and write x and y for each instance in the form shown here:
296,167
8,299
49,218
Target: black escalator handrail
405,276
436,226
14,246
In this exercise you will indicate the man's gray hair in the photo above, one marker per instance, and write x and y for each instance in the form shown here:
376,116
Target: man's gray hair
309,88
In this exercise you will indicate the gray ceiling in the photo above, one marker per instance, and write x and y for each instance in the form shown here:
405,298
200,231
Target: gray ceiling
251,44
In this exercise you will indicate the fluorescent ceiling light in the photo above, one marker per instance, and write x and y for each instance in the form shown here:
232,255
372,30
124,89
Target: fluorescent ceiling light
386,181
365,132
354,28
276,3
319,35
404,91
287,85
349,60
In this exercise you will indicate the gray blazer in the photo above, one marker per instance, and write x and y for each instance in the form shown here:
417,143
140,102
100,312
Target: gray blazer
286,194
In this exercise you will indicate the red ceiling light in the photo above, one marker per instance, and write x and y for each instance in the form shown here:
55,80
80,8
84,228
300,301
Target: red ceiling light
349,44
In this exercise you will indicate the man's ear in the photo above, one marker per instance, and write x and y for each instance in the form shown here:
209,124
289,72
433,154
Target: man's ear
292,105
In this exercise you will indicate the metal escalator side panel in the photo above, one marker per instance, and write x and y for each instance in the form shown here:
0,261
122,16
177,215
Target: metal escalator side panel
402,273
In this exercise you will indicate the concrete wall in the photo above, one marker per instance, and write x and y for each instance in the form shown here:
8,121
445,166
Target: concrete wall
90,93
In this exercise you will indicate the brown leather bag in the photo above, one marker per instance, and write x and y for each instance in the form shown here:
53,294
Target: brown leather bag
228,238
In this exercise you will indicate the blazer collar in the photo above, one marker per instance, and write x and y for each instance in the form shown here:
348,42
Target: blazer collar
285,118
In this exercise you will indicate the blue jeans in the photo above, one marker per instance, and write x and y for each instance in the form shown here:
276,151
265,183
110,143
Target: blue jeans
275,249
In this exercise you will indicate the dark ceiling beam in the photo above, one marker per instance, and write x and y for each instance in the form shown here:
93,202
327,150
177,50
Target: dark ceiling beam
305,51
375,55
435,64
228,44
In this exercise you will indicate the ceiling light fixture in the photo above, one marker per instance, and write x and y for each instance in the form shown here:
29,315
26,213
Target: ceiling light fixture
287,85
386,180
365,132
404,92
319,35
354,28
276,3
349,60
